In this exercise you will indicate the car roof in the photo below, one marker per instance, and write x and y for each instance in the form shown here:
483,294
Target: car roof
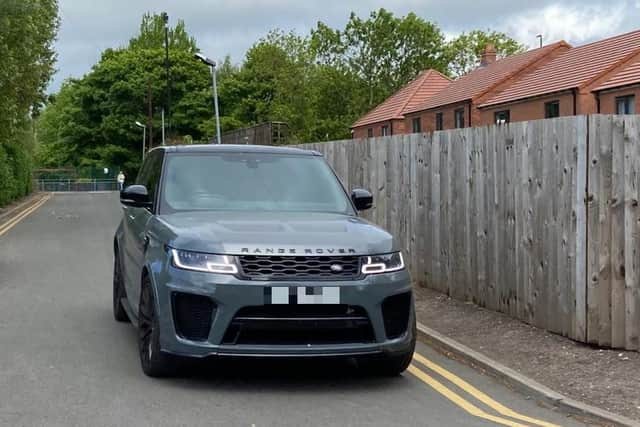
229,148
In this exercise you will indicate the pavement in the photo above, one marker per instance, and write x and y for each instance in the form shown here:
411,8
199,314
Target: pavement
64,361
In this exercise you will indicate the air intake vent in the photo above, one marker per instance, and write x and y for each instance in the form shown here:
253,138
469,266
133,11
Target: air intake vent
192,315
395,310
300,325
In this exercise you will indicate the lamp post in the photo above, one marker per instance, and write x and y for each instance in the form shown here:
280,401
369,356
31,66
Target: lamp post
167,64
211,63
144,136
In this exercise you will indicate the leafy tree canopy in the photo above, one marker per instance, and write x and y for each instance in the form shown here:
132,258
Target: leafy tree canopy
27,32
92,120
152,35
463,52
383,51
318,83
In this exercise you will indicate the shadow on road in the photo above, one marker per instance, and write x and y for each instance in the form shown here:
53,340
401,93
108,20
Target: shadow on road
272,374
268,374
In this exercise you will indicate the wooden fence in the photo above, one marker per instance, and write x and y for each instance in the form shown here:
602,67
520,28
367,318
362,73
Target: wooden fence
536,219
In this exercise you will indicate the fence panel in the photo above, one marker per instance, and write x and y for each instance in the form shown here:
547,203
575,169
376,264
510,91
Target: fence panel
64,185
492,215
613,258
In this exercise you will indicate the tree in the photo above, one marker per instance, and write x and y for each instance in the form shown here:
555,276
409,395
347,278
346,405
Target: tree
335,99
463,52
27,31
151,35
384,51
319,84
92,120
272,83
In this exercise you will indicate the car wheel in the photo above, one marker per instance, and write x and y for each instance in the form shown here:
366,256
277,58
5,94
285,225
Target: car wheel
154,362
119,291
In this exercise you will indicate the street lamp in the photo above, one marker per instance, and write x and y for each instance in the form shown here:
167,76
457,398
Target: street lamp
144,136
211,63
167,64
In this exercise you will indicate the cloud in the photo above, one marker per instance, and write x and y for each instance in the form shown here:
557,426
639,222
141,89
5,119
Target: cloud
574,23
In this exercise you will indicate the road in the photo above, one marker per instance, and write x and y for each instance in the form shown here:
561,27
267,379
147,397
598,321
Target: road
64,361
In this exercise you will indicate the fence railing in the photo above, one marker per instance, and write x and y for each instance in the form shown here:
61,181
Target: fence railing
75,185
539,220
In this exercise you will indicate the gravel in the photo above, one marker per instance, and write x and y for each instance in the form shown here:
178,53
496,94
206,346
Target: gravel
608,379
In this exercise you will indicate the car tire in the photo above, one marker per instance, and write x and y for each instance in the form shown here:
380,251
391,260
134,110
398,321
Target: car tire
119,291
154,362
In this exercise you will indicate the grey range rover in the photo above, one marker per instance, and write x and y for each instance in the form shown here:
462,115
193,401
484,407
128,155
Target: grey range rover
257,251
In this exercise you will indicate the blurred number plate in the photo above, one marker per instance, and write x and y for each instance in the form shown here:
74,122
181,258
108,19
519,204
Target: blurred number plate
302,295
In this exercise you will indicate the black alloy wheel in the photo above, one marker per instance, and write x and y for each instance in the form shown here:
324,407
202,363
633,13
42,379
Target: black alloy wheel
154,362
119,292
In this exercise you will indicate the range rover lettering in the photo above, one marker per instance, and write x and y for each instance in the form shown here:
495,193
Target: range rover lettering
255,251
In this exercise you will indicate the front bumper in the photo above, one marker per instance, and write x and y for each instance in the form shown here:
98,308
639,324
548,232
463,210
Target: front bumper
230,295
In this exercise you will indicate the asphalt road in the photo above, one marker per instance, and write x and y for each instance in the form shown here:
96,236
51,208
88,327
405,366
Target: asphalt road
64,361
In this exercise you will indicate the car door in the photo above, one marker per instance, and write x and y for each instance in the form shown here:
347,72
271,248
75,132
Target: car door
129,241
136,220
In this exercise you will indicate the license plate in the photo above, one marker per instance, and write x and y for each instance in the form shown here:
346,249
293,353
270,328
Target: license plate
302,295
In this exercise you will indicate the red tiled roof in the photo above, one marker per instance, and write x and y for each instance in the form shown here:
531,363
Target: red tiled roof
482,79
626,76
573,69
415,92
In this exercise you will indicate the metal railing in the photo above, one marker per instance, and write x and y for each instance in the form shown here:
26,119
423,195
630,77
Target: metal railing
49,185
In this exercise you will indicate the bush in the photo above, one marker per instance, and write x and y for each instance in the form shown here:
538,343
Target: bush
6,177
15,171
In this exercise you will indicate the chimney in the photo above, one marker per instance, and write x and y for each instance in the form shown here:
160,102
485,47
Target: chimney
488,55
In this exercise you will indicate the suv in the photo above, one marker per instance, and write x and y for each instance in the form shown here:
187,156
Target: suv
257,251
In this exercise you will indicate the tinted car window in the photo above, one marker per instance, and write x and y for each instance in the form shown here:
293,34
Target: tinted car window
251,181
149,174
155,170
143,172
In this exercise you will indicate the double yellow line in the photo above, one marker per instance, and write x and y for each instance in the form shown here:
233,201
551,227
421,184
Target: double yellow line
22,215
507,415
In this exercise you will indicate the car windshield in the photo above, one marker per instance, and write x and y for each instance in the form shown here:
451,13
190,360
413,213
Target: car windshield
251,182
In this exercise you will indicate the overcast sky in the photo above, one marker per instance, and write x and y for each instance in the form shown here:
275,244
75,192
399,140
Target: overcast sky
230,27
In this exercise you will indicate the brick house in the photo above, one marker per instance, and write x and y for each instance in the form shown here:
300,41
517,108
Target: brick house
457,105
388,117
582,80
620,94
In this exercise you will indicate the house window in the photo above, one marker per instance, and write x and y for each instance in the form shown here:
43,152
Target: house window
458,118
416,125
385,130
502,117
370,133
626,104
551,109
439,124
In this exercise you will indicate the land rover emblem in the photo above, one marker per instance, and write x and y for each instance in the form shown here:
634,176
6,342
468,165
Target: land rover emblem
336,268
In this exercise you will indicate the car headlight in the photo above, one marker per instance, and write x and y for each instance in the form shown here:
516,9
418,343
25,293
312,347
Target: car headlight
207,263
382,263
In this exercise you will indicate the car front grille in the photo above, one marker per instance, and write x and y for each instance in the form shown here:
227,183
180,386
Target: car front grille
259,267
305,324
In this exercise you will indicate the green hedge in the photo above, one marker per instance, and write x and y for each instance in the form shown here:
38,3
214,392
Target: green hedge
15,171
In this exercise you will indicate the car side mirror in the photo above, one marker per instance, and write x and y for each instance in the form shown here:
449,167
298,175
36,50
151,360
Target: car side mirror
362,199
135,196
